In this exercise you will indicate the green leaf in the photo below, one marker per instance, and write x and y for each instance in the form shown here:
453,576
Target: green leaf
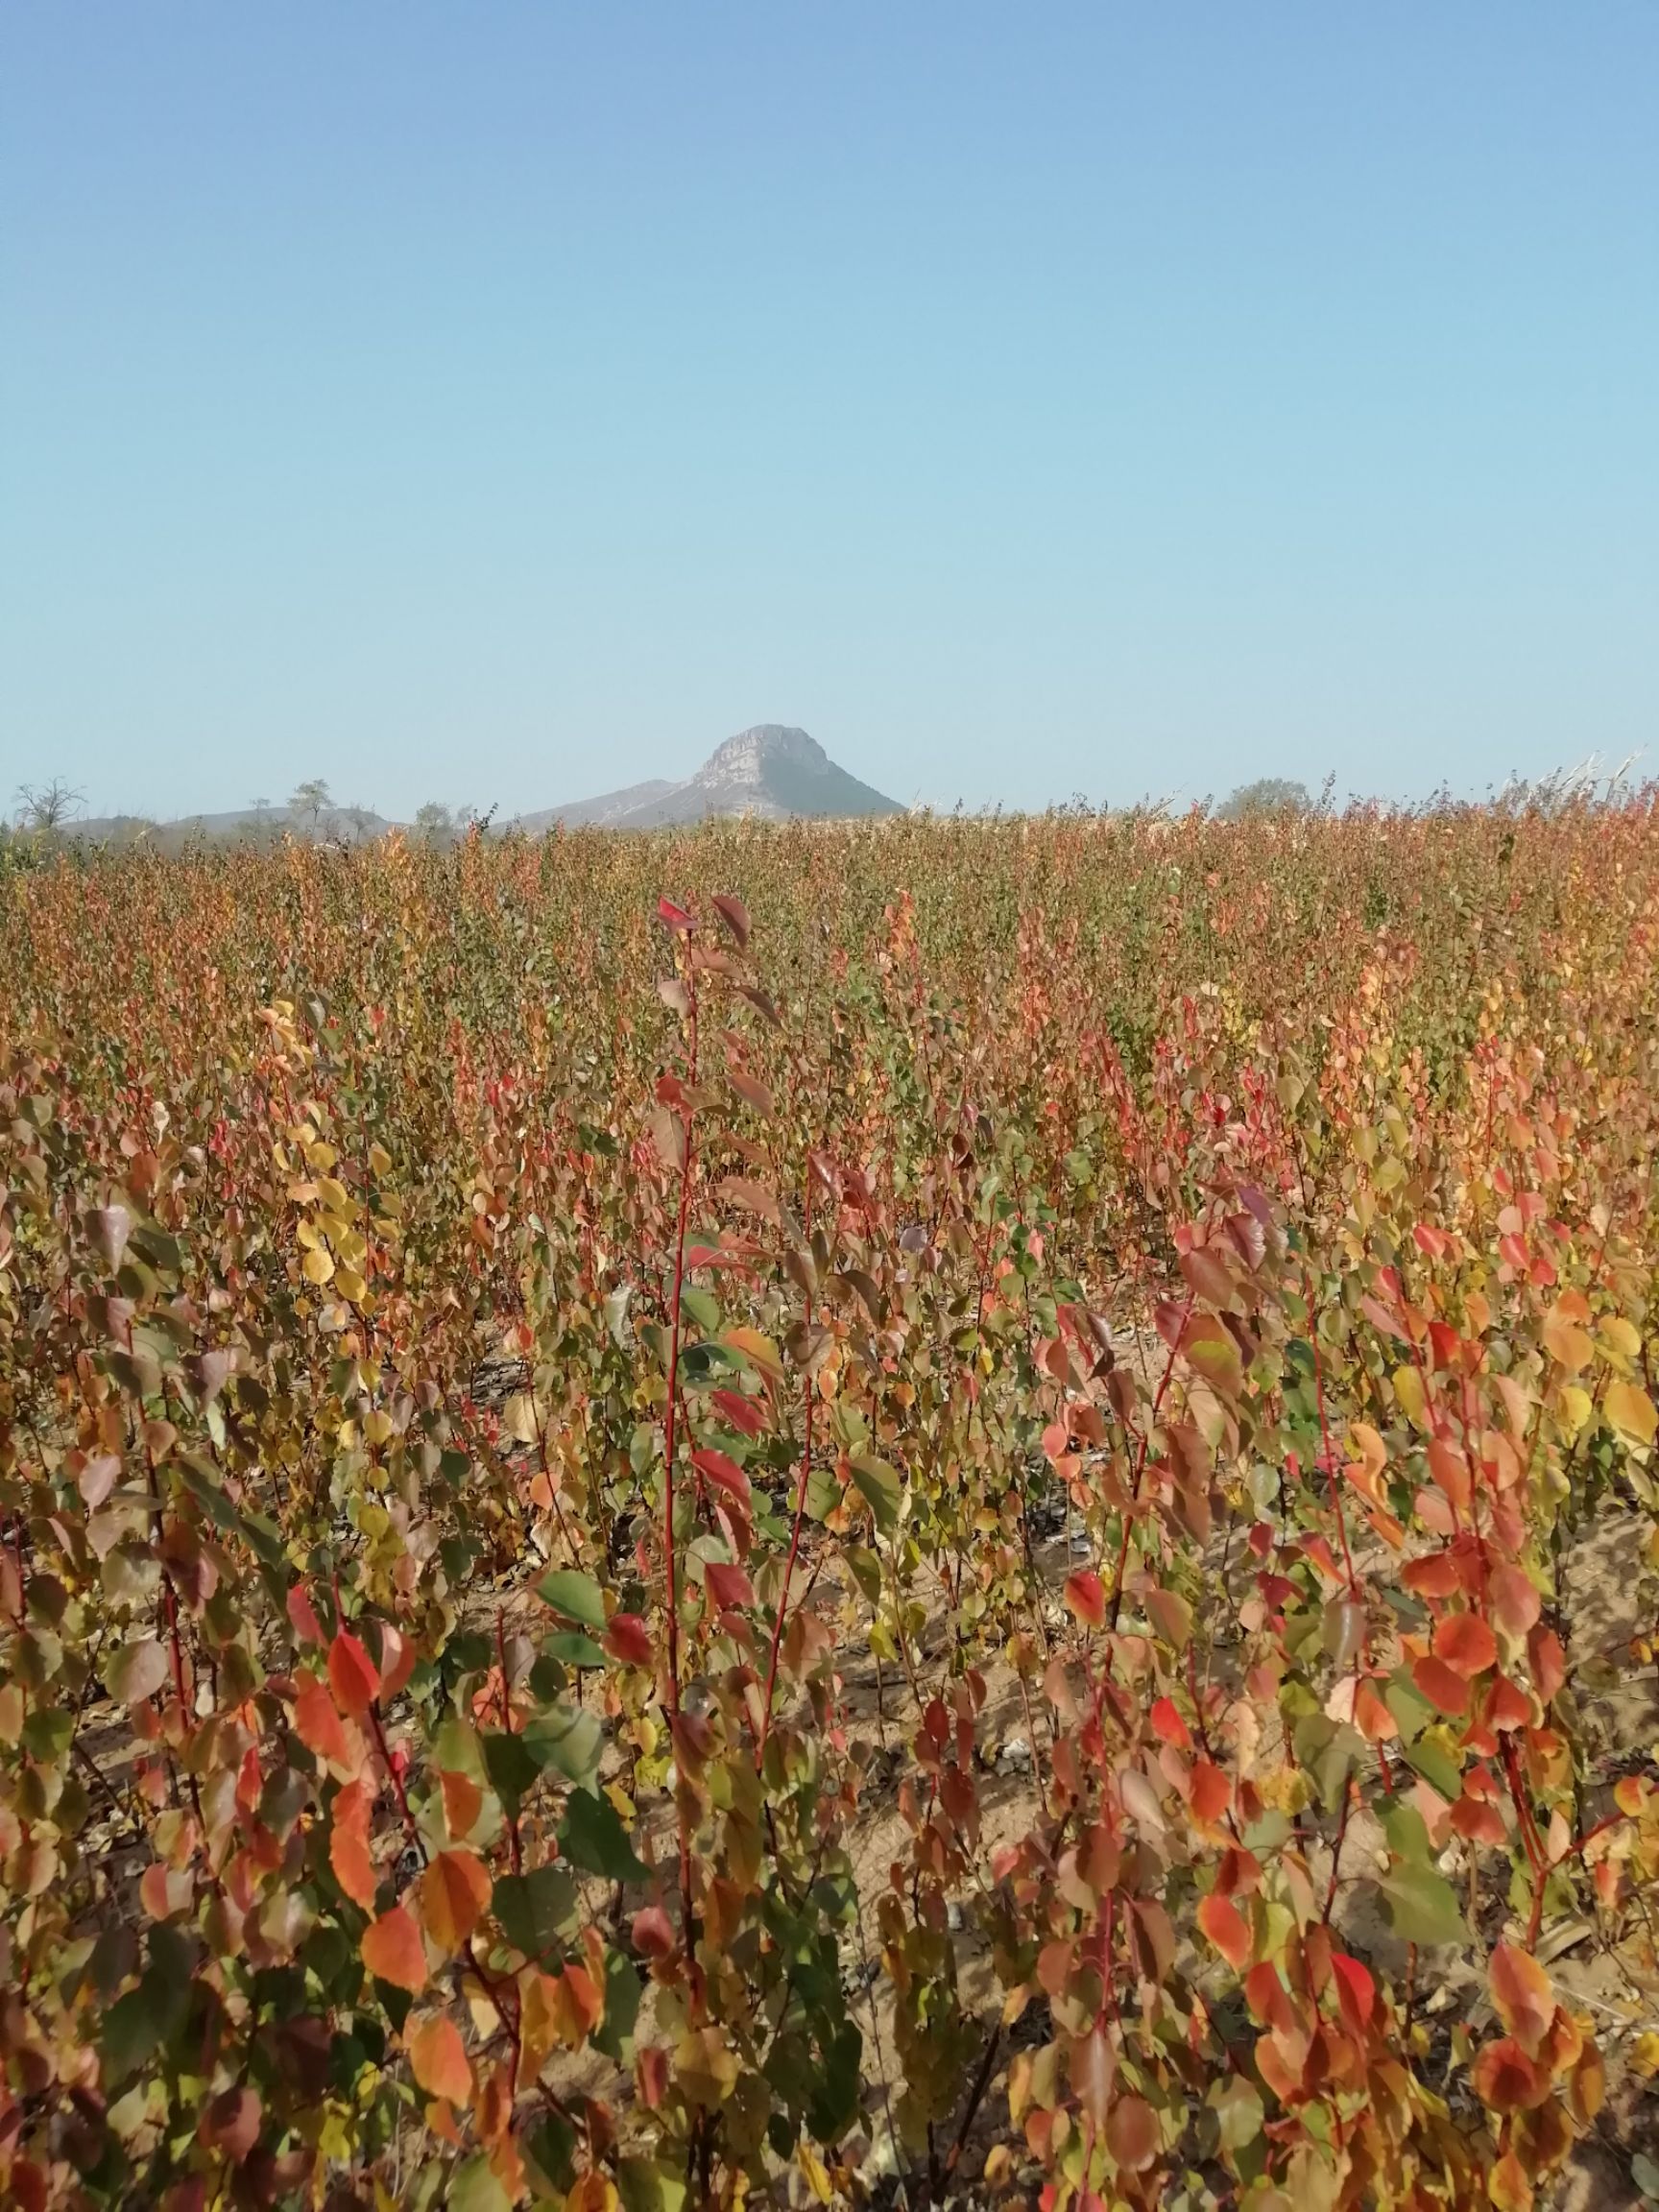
577,1597
834,2084
881,1488
574,1648
624,1991
702,1305
550,2146
48,1735
866,1569
513,1768
132,2030
591,1836
1423,1907
474,2188
537,1910
647,2187
1437,1767
568,1739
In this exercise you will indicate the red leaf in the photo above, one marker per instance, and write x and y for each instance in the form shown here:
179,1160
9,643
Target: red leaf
392,1951
302,1615
352,1674
1168,1724
1356,1991
726,1474
653,1936
727,1586
674,918
628,1639
1086,1597
745,1414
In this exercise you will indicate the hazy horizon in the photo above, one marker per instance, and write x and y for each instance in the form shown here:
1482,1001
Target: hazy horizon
1076,402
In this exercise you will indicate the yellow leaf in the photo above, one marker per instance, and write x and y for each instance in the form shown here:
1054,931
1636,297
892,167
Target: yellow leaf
1409,1394
812,2166
317,1267
1617,1340
1574,1409
1644,2055
351,1284
1566,1342
1631,1414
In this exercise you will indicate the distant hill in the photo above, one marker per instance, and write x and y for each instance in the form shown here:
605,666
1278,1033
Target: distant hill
241,824
772,772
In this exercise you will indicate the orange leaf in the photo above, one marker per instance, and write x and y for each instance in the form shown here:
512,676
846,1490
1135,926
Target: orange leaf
1465,1643
1522,1993
1211,1792
392,1951
578,2005
1372,1717
1515,1600
462,1803
318,1725
352,1674
1226,1927
349,1846
454,1890
438,2059
1169,1725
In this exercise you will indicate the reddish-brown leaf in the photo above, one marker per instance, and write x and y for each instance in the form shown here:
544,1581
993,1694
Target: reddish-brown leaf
1132,2133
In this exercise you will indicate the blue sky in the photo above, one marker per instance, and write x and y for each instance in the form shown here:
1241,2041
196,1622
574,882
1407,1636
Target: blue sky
504,403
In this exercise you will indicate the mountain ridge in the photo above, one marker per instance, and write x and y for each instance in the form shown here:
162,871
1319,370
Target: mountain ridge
772,771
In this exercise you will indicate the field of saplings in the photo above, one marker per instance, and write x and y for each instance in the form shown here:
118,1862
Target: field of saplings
918,1513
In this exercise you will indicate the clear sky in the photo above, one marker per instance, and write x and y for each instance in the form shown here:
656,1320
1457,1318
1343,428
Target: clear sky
505,402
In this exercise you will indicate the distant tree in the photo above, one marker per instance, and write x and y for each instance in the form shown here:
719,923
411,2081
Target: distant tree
359,818
309,800
47,807
434,823
1268,795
